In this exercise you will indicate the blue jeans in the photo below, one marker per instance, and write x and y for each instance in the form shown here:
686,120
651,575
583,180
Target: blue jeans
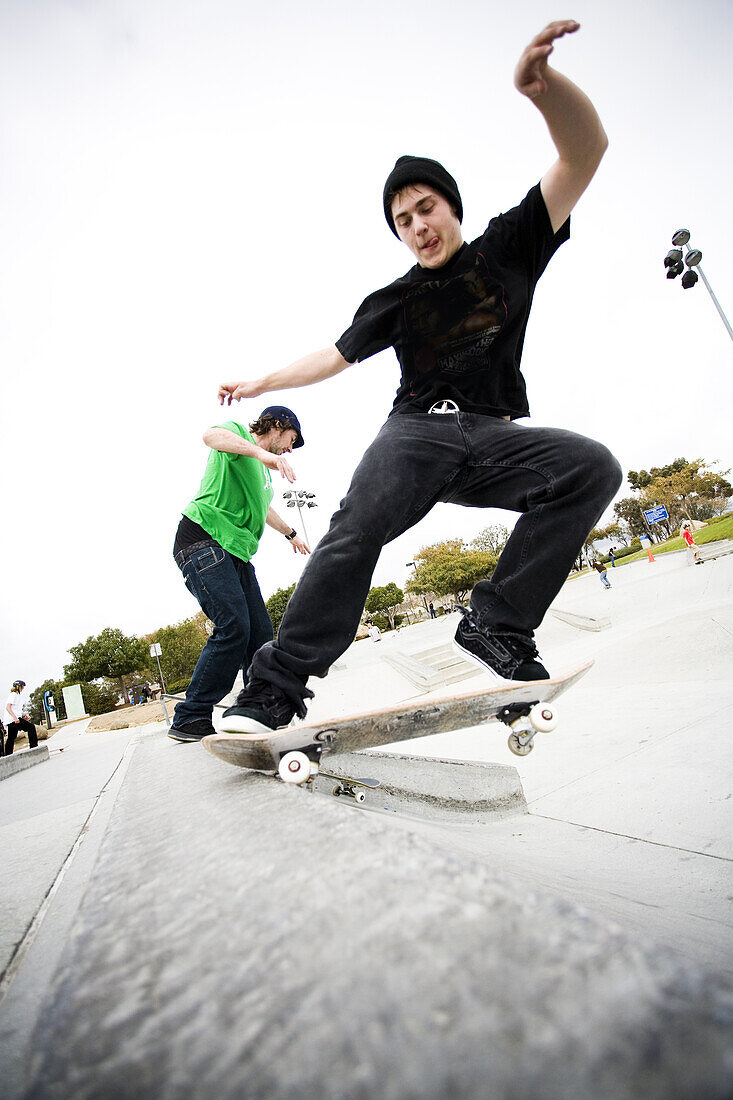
560,482
228,592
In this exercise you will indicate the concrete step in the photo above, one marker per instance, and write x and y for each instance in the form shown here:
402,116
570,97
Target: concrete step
432,668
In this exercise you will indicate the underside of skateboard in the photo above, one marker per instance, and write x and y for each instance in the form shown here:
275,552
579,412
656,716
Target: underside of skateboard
525,720
295,753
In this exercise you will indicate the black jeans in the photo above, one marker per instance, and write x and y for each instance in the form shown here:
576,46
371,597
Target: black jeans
228,593
14,728
559,481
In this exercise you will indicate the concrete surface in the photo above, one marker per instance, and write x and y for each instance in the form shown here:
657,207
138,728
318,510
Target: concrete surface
174,926
282,946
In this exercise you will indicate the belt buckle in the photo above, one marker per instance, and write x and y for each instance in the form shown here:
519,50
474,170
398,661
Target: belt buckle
440,408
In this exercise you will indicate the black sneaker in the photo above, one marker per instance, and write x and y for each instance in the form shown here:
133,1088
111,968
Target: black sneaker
191,731
507,656
260,708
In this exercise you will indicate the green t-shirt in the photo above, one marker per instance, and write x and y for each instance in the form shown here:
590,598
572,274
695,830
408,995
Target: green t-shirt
233,498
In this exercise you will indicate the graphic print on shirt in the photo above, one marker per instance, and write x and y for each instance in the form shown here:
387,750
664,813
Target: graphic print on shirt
452,323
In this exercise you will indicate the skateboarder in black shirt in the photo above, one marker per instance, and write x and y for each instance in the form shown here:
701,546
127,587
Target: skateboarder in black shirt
456,322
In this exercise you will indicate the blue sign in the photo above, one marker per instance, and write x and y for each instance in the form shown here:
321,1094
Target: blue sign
656,515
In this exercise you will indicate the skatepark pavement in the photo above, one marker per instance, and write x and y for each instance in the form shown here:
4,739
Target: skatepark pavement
173,926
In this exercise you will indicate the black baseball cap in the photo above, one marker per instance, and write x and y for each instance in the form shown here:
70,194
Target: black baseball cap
287,418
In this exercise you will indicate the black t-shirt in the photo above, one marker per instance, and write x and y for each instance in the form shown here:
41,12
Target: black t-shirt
189,533
458,331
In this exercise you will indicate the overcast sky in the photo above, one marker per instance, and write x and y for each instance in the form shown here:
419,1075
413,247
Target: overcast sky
191,193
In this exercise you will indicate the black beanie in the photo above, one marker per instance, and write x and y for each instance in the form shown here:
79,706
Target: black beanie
410,170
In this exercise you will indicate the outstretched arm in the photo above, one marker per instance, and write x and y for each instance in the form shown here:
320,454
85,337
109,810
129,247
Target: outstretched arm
303,372
571,118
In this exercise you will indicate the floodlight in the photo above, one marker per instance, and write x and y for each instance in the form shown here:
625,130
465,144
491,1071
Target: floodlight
681,237
689,279
693,257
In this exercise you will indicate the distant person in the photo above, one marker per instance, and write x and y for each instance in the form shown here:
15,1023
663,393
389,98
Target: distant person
693,551
17,718
217,537
600,568
612,556
375,633
456,321
431,609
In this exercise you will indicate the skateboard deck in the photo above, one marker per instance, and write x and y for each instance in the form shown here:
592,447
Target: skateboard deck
294,752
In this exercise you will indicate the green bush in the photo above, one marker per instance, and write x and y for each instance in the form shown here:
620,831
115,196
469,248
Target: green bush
382,621
100,698
178,686
623,552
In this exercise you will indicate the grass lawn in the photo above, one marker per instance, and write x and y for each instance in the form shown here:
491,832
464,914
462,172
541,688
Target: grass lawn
716,529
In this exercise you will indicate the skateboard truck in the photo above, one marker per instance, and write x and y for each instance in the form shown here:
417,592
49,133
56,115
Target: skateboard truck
298,767
526,720
348,787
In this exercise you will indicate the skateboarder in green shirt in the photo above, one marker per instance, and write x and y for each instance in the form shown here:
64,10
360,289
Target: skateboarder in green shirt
218,534
457,322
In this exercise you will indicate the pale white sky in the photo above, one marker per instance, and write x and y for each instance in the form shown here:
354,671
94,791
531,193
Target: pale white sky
192,192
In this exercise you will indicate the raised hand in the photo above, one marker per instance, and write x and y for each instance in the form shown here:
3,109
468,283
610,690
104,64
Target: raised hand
530,73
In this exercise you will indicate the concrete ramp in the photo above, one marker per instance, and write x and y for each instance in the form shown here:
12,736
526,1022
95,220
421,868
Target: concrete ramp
242,939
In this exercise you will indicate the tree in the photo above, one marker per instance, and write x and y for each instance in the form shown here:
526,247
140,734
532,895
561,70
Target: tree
277,604
492,540
111,654
639,480
629,511
616,532
35,702
691,490
450,568
181,646
386,599
100,698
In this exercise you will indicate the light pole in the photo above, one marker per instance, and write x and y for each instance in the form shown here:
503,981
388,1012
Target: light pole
675,266
301,499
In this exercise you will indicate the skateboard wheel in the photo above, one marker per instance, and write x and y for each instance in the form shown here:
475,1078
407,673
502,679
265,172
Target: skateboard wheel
517,747
295,767
336,790
359,796
543,717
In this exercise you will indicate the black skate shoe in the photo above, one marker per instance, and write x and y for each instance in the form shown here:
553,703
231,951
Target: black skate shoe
507,656
260,708
191,731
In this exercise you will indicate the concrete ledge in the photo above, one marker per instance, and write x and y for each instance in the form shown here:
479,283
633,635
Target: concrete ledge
581,622
19,761
242,938
709,551
429,787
